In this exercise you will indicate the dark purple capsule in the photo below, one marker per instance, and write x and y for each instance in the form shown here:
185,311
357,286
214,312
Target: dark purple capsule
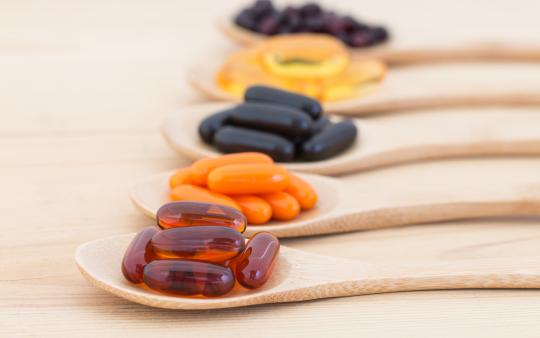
210,125
331,141
246,19
282,97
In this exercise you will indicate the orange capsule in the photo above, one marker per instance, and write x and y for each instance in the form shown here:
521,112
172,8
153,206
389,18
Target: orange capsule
255,264
189,192
247,179
202,168
188,214
137,255
182,176
302,191
256,210
284,206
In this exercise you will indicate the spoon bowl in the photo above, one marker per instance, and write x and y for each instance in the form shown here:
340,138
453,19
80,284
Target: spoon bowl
390,140
300,276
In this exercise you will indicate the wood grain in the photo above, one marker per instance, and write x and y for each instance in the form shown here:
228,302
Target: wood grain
84,87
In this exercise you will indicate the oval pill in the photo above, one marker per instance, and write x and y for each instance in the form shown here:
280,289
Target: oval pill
210,125
236,139
331,141
188,277
203,167
273,95
214,244
319,124
256,210
182,176
136,257
302,191
255,264
284,206
189,192
272,118
188,214
247,179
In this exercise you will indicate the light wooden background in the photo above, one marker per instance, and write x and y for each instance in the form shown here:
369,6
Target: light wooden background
83,88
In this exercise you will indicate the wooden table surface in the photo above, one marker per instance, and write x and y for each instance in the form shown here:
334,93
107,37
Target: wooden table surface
84,86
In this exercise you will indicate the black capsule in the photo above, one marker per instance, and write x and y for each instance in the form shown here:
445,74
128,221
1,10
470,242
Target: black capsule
282,97
210,125
277,119
321,123
332,140
231,139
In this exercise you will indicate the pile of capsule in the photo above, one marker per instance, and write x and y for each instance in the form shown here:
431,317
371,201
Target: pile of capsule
281,124
249,182
199,251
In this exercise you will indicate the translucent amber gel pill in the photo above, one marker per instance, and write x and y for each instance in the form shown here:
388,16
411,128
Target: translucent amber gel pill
247,179
182,214
255,264
204,166
182,176
284,206
302,191
215,244
256,210
189,192
136,257
188,277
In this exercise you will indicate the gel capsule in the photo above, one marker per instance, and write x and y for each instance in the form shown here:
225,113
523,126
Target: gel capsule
256,210
215,244
284,206
182,176
321,123
245,179
188,277
136,257
235,139
187,214
203,167
255,264
210,125
274,95
272,118
193,193
302,191
331,141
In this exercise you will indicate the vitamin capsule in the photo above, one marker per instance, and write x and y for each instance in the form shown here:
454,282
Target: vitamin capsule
256,210
331,141
210,125
203,167
272,118
214,244
246,179
188,277
182,176
284,206
273,95
189,192
235,139
319,124
302,191
255,264
187,214
136,258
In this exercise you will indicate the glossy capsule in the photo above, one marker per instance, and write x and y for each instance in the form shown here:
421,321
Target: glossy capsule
193,193
210,125
255,264
236,139
256,210
273,95
284,206
215,244
136,257
247,179
302,191
331,141
272,118
181,176
203,167
319,124
188,277
188,214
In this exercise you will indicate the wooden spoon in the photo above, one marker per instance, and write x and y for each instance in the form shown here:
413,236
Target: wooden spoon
300,276
391,139
423,193
395,55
